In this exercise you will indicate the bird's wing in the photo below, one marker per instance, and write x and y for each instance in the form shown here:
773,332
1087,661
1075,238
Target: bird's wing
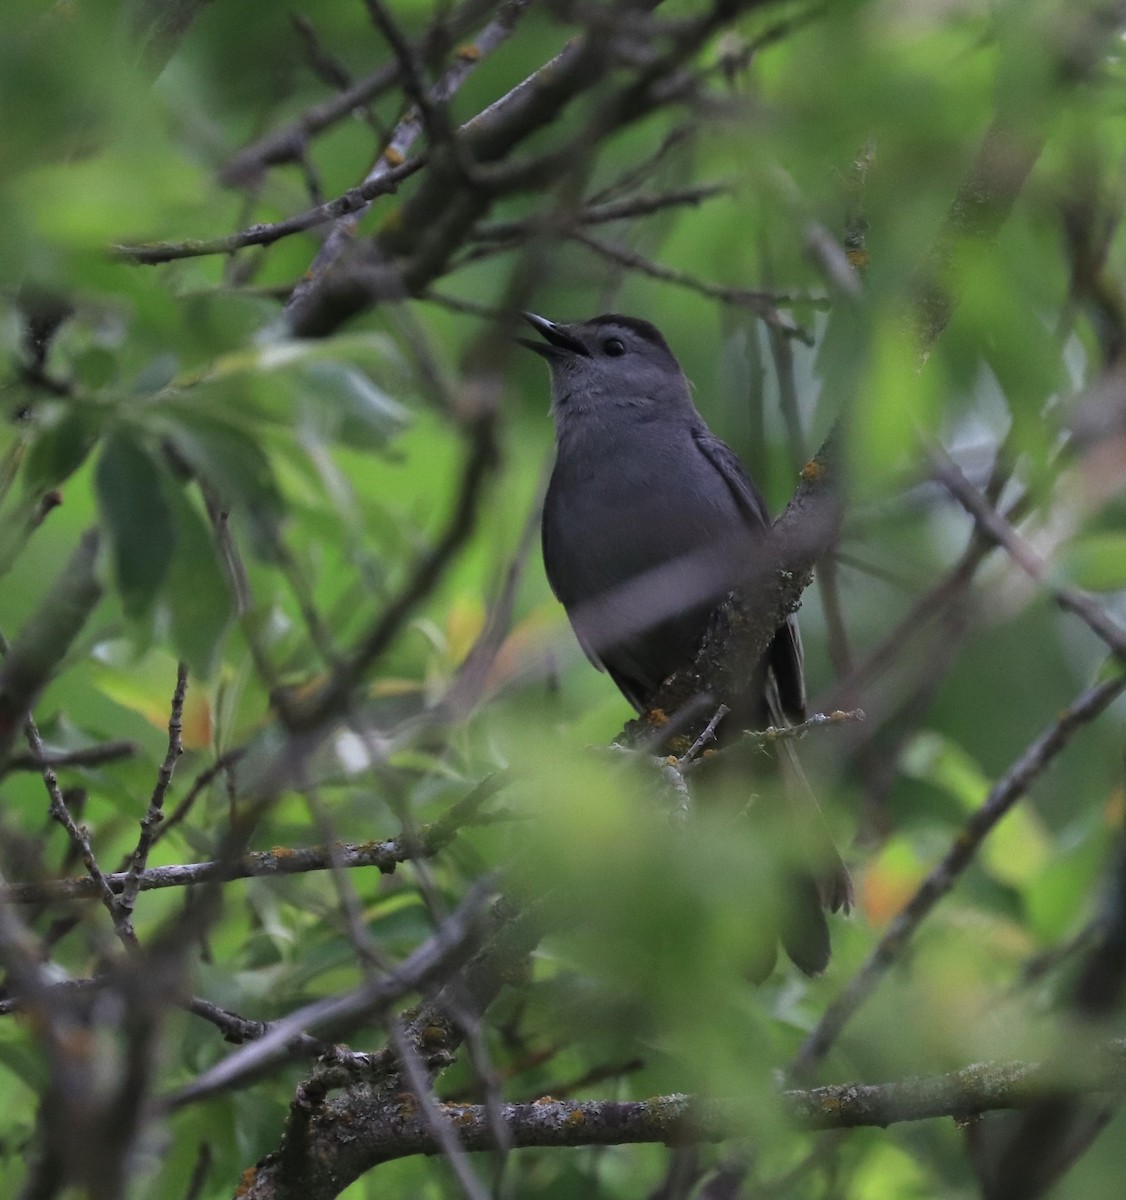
787,662
785,655
821,853
550,558
726,462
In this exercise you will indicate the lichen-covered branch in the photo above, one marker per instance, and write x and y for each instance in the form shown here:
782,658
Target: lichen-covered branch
383,1128
743,627
324,1147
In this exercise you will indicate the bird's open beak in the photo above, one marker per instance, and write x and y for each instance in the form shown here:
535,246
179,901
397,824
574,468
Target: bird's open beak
557,341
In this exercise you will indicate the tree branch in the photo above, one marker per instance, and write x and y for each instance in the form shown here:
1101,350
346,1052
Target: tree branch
387,1129
996,528
288,143
384,855
1005,793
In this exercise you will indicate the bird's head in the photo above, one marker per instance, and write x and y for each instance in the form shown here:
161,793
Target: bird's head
607,363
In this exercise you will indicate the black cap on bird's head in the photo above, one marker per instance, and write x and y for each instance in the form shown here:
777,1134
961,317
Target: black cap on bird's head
608,358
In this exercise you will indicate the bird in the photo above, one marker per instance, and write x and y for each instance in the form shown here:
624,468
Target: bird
649,521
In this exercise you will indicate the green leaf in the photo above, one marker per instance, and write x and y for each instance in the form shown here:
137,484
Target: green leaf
1097,561
367,351
136,513
945,764
95,367
345,405
155,375
60,449
235,466
1019,848
197,592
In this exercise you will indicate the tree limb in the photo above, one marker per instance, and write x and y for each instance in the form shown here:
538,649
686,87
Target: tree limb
386,1128
1005,793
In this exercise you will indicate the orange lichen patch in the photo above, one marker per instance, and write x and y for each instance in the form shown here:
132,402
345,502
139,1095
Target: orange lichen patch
408,1103
672,760
546,1100
831,1105
667,1113
145,693
468,53
393,156
886,887
657,716
246,1181
858,258
576,1117
196,722
281,851
525,646
813,471
1115,808
432,1034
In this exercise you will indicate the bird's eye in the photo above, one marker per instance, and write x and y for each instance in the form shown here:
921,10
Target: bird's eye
614,347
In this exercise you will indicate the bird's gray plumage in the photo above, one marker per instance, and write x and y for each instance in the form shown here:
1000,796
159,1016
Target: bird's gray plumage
649,521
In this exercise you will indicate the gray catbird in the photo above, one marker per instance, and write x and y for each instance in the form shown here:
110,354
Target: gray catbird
649,521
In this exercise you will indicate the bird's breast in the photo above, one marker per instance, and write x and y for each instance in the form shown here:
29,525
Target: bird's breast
617,508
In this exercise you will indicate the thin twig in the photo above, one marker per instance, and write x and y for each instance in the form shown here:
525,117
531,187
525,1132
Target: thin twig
428,112
384,855
1002,796
948,592
706,735
87,756
288,143
131,885
224,762
354,200
996,527
763,304
431,112
79,835
599,214
435,1116
756,739
434,960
